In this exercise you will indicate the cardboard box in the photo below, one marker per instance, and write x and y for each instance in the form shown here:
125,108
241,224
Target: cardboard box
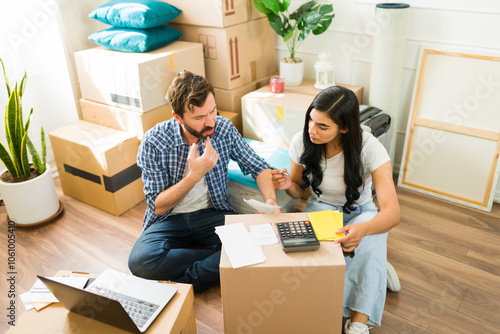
233,117
274,118
97,165
122,119
136,81
255,14
236,55
231,99
288,293
177,317
213,13
307,87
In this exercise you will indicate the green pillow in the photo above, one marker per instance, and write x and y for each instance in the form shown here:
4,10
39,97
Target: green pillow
135,40
139,14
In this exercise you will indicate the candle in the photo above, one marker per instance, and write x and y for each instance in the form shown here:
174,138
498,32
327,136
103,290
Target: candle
277,84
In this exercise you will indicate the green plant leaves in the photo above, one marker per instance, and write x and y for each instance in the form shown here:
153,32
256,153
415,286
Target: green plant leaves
295,27
16,133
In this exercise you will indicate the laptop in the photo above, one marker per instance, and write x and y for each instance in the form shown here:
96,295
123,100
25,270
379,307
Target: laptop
115,298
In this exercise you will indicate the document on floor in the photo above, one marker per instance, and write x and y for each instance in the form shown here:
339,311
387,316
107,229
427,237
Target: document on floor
39,296
239,245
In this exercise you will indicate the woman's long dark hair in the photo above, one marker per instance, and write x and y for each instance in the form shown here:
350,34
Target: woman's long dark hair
342,107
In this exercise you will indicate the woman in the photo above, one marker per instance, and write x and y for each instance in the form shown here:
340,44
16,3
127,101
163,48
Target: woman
338,162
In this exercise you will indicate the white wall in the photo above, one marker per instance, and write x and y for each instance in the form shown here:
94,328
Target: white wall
30,41
473,25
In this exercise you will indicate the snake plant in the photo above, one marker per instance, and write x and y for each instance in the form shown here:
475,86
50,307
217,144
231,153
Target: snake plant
16,133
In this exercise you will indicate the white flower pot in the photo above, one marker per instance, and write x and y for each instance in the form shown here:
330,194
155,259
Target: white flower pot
293,73
30,202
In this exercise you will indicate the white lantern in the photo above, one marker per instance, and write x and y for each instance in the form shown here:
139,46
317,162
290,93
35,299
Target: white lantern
324,71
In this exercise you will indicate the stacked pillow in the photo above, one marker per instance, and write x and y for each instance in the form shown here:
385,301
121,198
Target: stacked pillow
138,25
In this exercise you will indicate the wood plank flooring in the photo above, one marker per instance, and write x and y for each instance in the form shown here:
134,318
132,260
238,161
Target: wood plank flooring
447,257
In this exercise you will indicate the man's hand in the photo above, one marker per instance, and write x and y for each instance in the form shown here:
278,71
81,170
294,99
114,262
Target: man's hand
199,166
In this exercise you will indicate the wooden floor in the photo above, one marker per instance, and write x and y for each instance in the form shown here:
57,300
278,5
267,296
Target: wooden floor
447,258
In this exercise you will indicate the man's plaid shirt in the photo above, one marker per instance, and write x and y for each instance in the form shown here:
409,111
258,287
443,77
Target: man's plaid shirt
162,158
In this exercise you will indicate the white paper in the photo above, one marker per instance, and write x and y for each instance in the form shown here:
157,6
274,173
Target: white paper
260,206
263,234
40,294
239,245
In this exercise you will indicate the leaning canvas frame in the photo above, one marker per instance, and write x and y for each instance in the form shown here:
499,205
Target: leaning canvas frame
452,142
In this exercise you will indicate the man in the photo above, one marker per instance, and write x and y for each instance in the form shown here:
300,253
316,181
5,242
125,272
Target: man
184,169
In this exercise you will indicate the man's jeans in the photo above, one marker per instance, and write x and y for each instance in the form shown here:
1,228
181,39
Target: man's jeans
365,276
162,251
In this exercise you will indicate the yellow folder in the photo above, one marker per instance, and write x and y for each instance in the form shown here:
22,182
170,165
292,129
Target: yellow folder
326,223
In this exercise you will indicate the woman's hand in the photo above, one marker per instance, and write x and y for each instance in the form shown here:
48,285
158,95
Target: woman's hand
281,179
351,241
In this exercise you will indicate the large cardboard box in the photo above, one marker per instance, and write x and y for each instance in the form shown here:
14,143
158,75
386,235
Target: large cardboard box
307,87
274,118
288,293
213,13
136,123
97,165
236,55
136,81
177,317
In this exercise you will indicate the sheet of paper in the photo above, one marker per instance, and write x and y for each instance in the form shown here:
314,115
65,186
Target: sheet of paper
260,206
40,294
263,234
326,223
239,245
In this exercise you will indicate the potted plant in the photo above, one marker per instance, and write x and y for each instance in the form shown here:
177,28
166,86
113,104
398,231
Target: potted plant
294,28
27,188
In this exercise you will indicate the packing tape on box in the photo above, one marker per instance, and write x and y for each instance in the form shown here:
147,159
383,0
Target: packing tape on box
389,47
111,184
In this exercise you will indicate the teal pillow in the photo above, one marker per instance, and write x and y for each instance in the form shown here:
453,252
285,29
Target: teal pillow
135,40
139,14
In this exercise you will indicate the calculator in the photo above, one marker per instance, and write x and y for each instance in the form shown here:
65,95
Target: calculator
297,236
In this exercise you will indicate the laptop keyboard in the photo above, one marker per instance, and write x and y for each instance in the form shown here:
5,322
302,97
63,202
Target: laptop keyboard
139,310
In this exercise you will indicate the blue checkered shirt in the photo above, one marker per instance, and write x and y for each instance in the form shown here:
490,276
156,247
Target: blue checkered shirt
162,158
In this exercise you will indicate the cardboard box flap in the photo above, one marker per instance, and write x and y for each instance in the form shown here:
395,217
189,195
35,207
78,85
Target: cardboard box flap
94,149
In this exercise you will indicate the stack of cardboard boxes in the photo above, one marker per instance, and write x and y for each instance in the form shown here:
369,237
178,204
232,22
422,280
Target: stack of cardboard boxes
123,96
239,47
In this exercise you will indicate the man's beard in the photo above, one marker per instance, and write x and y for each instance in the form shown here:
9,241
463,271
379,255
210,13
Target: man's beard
200,134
